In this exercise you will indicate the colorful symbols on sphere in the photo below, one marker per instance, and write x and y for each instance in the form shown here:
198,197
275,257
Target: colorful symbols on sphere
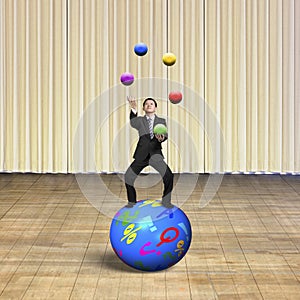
150,237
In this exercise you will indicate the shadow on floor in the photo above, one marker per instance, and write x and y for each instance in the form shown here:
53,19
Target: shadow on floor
112,262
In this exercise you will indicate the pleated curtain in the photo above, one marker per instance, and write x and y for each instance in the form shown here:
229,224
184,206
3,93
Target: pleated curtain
63,109
33,92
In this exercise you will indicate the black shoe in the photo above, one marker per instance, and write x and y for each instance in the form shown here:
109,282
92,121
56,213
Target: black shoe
130,204
167,204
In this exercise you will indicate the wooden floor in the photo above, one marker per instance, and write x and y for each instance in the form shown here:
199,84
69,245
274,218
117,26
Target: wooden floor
55,244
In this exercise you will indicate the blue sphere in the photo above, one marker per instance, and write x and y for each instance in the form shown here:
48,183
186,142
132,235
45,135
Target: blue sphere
140,49
150,237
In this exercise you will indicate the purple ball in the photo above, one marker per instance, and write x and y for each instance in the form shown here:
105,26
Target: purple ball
127,78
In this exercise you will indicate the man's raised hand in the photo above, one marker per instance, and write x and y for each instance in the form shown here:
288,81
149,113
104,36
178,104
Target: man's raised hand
132,102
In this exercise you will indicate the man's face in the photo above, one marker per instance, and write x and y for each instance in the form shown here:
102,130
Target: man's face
149,106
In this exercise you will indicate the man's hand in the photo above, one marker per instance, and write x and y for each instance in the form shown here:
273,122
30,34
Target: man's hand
160,137
132,102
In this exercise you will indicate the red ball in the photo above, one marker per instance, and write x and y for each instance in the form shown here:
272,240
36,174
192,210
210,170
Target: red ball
175,97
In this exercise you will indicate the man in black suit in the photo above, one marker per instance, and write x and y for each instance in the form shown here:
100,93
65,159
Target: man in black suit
148,151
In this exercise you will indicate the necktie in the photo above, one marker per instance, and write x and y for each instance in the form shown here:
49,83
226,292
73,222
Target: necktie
150,128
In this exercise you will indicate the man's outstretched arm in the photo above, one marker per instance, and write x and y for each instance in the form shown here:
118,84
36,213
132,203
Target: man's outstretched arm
133,112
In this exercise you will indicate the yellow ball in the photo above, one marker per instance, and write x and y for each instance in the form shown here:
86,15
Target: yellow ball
169,59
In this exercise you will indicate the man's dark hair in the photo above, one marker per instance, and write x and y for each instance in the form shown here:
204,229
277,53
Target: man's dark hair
150,99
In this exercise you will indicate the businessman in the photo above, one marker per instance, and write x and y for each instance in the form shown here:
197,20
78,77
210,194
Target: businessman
148,151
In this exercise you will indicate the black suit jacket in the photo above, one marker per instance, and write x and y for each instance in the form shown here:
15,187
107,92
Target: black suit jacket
146,145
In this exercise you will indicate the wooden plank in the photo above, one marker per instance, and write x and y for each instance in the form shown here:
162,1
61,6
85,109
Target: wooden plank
54,244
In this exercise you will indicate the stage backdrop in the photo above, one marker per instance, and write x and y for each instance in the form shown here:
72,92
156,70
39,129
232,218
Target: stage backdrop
59,57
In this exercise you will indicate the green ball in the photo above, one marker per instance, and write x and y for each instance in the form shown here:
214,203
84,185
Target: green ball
160,129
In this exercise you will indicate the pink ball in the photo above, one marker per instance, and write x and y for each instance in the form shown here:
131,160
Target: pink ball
175,97
127,78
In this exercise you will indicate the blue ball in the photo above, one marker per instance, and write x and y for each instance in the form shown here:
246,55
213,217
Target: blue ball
150,237
140,49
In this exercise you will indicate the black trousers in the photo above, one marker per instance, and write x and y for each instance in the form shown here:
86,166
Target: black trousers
156,161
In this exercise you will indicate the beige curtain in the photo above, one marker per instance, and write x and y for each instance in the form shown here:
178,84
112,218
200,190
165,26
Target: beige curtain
238,67
251,74
186,40
102,35
33,79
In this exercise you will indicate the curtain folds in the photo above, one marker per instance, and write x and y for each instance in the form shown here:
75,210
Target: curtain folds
251,72
63,109
33,86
